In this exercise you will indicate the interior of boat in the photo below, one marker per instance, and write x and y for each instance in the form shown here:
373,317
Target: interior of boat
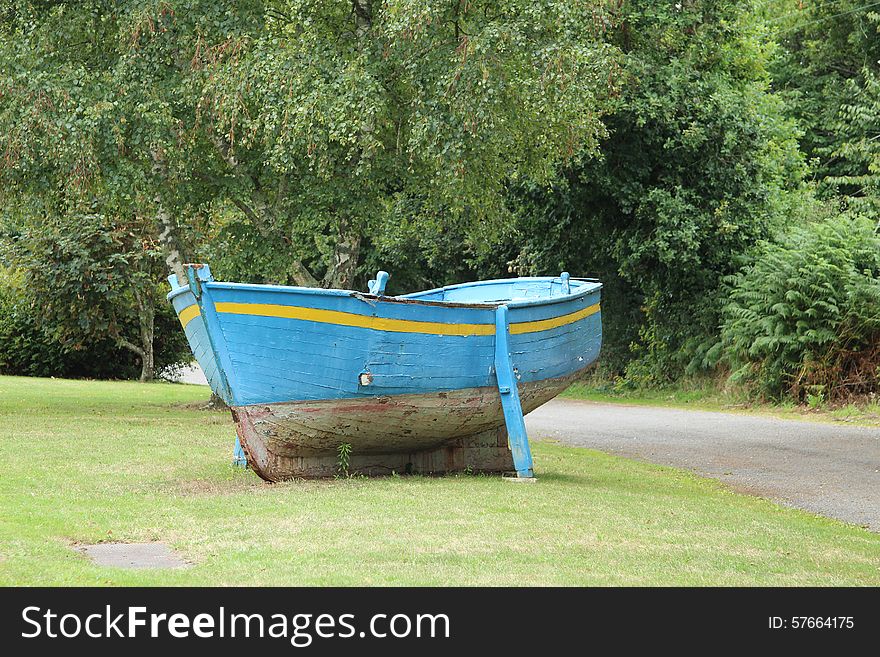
510,290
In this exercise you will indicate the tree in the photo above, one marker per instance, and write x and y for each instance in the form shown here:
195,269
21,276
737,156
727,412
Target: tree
90,161
858,127
307,128
699,164
345,124
29,345
89,279
827,71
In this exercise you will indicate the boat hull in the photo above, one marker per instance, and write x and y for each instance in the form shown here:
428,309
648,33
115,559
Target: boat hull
433,433
432,382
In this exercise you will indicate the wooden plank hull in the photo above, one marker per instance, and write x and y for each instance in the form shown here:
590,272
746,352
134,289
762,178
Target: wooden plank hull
427,433
411,383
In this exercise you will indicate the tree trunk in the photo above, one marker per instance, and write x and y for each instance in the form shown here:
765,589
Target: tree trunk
146,325
363,16
342,271
166,225
147,369
166,239
301,275
146,357
148,372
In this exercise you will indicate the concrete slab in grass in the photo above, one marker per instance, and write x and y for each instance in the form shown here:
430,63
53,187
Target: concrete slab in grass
133,555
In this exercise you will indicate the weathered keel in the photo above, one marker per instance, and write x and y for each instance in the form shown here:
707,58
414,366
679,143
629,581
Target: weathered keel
484,452
462,430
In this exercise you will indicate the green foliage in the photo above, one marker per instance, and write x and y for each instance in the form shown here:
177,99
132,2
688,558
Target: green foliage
29,346
92,290
28,350
804,318
308,129
97,112
75,266
23,347
651,145
90,153
286,141
361,122
858,126
699,164
343,459
827,72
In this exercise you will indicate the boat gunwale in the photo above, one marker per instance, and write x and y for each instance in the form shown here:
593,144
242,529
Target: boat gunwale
409,299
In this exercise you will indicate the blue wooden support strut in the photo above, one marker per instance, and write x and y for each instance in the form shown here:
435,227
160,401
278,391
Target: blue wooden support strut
517,437
238,456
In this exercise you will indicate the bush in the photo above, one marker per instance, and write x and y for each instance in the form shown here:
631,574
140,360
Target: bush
27,349
804,319
23,348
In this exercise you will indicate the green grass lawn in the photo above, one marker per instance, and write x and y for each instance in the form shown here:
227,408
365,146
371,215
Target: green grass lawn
86,462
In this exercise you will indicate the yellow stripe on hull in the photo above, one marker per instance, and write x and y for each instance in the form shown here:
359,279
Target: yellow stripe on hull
351,319
553,322
381,323
188,314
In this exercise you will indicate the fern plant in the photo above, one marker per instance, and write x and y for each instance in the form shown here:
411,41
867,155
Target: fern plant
804,318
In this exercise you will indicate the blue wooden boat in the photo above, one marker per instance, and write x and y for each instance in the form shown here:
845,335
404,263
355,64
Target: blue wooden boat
436,381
